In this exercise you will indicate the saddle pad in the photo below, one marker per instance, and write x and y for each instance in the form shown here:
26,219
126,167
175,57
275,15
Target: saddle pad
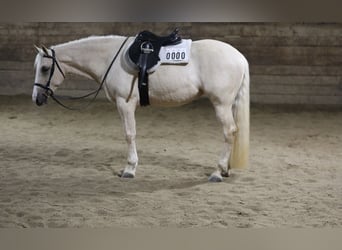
176,54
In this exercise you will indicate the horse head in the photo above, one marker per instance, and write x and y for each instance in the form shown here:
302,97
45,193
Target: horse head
47,78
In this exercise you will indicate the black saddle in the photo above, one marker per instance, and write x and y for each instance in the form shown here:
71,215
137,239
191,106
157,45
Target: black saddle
144,53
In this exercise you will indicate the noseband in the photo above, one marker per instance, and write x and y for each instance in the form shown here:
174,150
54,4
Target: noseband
49,92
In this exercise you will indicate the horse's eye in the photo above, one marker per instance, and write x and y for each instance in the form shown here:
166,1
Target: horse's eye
45,69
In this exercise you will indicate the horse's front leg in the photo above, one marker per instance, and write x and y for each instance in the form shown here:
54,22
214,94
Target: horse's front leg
126,111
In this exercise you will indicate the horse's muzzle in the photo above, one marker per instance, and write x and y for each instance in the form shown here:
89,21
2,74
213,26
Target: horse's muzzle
41,99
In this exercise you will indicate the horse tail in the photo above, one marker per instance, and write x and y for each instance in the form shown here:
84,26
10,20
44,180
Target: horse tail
240,147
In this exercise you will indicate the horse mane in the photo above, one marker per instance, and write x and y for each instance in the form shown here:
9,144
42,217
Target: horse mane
86,39
79,41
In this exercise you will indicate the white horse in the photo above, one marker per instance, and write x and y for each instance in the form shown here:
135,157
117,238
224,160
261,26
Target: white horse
215,70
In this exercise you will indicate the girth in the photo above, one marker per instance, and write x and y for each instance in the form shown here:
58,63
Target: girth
144,53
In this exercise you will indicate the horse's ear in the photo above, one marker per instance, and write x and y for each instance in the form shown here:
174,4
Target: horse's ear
39,50
45,50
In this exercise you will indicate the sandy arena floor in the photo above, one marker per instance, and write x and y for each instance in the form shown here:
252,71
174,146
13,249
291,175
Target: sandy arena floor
59,168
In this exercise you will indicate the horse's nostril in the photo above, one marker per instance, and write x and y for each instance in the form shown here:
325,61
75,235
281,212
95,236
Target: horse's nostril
41,99
39,102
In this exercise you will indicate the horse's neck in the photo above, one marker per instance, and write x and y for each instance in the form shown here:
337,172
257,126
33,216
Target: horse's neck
88,57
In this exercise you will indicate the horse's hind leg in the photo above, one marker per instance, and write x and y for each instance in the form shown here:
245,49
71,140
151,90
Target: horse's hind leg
225,116
126,111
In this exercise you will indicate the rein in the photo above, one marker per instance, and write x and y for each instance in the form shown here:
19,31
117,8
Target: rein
49,92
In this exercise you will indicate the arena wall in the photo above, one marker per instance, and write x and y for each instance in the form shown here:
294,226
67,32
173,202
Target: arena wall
290,63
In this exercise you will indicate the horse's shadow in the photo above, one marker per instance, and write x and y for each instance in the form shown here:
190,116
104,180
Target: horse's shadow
156,172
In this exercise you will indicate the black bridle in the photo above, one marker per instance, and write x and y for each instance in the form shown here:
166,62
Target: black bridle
49,92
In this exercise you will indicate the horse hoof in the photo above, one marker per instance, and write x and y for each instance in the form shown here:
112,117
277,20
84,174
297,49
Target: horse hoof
215,178
127,175
225,174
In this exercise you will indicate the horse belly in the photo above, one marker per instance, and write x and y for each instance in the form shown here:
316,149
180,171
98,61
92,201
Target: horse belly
174,85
